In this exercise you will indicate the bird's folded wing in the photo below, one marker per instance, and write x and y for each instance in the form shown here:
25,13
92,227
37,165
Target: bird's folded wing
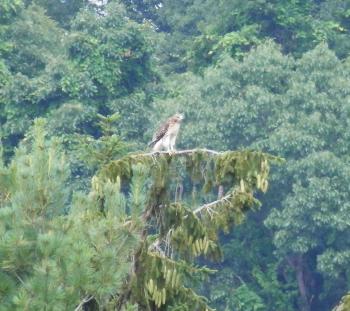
160,133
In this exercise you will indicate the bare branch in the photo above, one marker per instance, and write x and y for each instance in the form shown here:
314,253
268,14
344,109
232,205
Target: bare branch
211,204
20,279
180,152
85,300
239,278
220,191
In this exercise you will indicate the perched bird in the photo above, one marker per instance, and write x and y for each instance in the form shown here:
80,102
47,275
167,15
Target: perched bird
165,136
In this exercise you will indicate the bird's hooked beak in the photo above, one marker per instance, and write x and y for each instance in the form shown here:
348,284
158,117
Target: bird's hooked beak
180,116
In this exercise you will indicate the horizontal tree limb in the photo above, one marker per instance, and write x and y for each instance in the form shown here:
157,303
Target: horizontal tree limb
179,152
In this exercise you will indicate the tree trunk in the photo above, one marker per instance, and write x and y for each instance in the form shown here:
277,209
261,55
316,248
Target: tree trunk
297,263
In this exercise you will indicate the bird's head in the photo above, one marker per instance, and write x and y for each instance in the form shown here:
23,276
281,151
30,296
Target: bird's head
179,117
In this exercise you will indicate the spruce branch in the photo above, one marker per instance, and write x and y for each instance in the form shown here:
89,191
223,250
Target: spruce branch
207,207
179,152
186,152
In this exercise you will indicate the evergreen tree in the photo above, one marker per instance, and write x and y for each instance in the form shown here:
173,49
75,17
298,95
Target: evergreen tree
127,244
53,255
175,232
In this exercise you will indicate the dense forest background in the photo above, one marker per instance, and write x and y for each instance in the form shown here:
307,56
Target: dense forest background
261,75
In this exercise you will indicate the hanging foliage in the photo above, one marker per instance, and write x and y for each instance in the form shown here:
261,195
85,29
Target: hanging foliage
174,231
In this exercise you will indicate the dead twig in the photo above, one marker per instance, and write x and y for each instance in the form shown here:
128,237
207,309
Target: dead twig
85,300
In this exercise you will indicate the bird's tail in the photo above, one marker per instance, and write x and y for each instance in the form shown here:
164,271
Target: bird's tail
152,143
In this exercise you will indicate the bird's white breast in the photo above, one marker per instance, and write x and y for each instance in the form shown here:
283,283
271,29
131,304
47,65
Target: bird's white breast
174,129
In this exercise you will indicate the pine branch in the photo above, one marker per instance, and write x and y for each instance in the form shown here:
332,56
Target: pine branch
24,284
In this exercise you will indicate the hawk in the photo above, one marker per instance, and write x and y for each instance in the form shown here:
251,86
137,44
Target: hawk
165,136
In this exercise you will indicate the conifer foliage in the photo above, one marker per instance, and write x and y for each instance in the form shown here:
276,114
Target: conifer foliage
176,231
131,243
55,255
